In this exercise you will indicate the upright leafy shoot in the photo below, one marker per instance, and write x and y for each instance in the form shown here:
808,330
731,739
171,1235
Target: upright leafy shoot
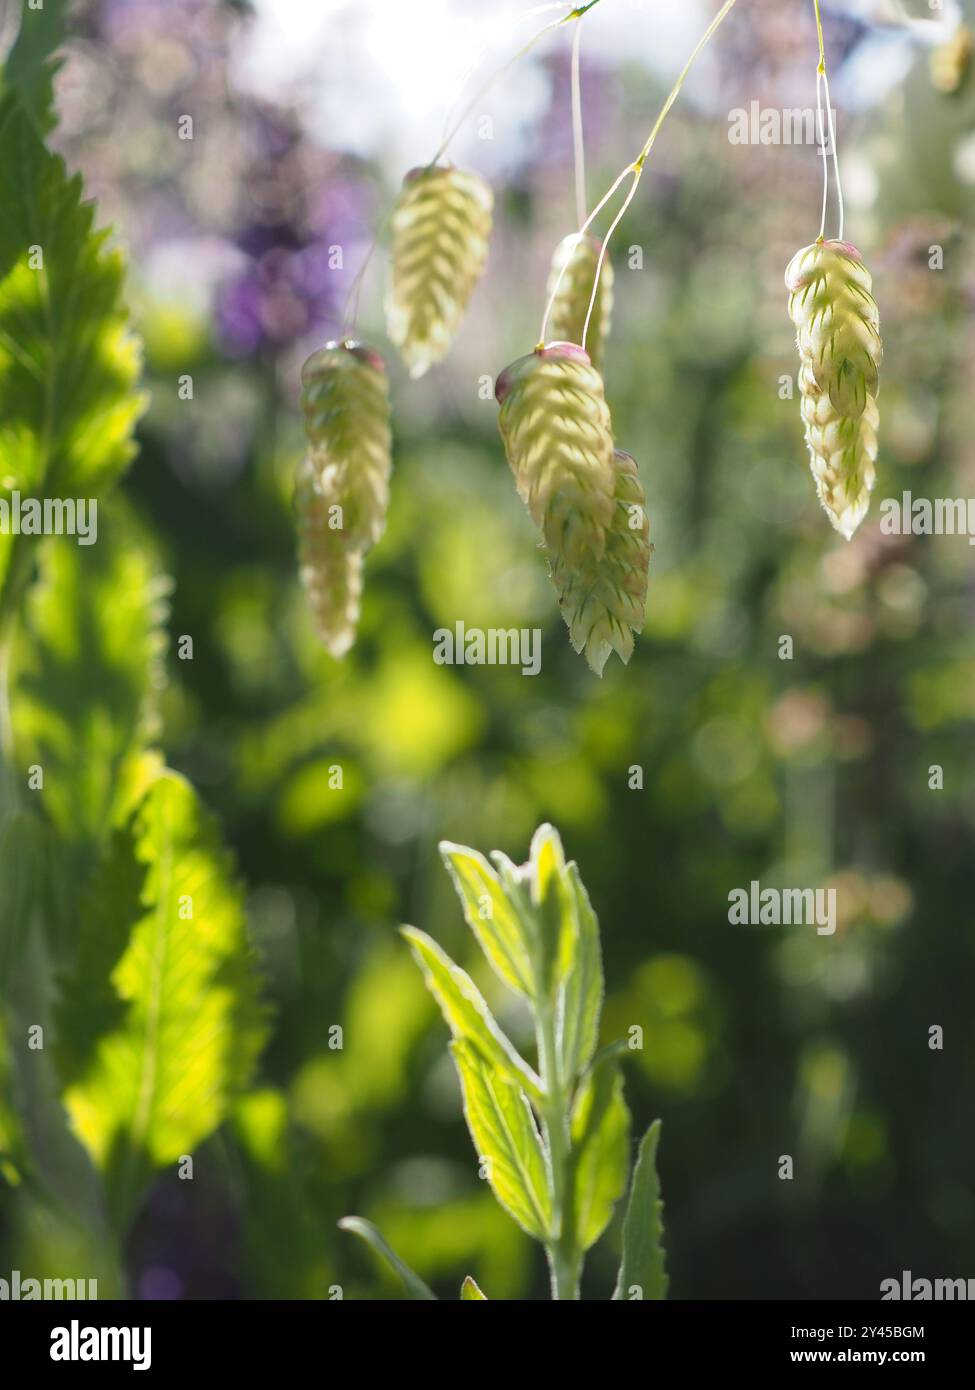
553,1138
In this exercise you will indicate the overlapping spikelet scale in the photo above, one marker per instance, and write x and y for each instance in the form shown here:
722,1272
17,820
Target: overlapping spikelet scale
558,437
603,600
440,224
838,335
342,489
580,256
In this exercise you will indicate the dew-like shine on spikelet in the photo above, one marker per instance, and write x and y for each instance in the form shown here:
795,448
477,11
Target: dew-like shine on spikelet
342,489
567,320
441,224
838,335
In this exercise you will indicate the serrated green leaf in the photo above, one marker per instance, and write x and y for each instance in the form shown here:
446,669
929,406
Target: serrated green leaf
503,933
68,364
161,1024
470,1293
600,1151
415,1287
642,1273
88,669
581,996
502,1126
465,1010
555,903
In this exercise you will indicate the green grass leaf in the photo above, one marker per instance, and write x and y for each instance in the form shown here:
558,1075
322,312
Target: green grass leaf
470,1293
554,900
642,1273
600,1151
415,1287
161,1024
502,1126
465,1011
502,930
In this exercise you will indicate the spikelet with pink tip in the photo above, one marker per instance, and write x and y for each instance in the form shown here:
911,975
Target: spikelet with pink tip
838,335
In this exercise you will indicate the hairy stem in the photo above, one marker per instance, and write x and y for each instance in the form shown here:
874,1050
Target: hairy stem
563,1259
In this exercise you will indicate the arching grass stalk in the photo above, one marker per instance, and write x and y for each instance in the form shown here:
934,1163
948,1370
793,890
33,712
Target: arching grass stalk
827,128
350,312
635,170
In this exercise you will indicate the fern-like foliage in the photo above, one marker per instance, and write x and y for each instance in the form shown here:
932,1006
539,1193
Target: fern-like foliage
162,1022
68,363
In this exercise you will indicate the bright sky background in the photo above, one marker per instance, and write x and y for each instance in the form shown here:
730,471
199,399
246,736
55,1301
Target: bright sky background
384,74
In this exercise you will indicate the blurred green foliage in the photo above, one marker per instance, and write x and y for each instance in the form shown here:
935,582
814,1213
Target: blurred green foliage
758,1042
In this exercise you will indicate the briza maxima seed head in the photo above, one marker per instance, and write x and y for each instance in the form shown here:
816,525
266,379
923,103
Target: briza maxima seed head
342,489
558,437
441,224
345,399
604,600
330,568
838,335
567,320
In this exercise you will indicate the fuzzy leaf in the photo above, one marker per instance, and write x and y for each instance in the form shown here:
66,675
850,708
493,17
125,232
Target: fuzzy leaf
504,932
642,1273
416,1289
161,1024
554,900
465,1010
470,1293
600,1151
503,1129
581,998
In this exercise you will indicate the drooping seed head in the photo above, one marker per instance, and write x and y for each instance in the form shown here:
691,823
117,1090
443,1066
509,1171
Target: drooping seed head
342,490
579,255
838,335
441,224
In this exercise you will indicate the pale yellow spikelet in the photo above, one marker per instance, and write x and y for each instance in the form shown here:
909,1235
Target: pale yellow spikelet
345,399
330,569
441,224
342,489
604,600
567,319
838,335
558,437
951,61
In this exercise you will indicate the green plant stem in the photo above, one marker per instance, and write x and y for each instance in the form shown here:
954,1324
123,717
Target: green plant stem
563,1259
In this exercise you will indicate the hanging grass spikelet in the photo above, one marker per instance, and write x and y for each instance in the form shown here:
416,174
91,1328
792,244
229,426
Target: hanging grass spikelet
603,601
441,225
567,319
330,570
558,437
342,489
838,337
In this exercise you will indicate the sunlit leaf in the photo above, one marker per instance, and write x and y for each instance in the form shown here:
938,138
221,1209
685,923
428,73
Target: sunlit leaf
600,1151
502,931
465,1011
161,1024
470,1293
555,901
68,364
507,1142
642,1273
365,1230
582,990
